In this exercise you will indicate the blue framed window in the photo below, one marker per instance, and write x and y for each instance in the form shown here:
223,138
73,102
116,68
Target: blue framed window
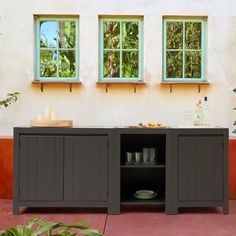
184,50
121,49
57,54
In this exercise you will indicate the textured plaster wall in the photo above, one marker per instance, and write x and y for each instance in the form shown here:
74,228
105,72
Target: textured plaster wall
89,104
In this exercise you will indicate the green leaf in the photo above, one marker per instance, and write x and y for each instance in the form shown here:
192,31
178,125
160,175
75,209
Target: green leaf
235,122
13,232
234,90
45,227
90,232
2,233
11,97
234,132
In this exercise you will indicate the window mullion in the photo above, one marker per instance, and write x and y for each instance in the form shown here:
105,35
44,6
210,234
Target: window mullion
38,50
202,51
121,61
139,49
76,50
164,59
102,50
57,49
183,50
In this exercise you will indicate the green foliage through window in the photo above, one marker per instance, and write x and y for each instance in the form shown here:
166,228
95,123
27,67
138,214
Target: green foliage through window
57,48
184,49
121,49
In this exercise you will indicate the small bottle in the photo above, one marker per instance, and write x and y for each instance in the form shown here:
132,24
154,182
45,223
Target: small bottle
205,108
198,115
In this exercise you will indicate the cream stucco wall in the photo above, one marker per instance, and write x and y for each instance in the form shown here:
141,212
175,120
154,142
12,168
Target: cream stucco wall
89,104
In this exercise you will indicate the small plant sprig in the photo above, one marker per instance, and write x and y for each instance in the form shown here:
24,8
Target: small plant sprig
11,97
37,227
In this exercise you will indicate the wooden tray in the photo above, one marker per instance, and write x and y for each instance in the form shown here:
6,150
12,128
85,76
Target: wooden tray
51,123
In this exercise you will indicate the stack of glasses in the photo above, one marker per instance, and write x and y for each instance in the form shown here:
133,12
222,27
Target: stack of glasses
147,157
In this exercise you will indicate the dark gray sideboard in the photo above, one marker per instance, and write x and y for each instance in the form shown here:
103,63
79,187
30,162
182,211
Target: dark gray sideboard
85,167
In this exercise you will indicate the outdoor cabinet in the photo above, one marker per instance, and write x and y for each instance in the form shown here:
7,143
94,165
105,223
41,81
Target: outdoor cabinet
61,168
199,168
86,167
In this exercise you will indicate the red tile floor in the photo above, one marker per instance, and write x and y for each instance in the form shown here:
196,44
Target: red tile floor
135,220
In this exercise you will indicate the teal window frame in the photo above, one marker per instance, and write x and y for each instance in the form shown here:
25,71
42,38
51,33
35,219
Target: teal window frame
203,21
140,50
38,19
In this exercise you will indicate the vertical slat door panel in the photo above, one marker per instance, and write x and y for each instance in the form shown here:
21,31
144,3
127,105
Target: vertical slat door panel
86,168
41,168
200,168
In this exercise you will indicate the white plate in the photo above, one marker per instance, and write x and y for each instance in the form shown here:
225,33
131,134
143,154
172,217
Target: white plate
145,197
144,192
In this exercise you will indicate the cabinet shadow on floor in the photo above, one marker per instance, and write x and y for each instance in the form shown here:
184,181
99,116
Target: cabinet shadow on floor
57,210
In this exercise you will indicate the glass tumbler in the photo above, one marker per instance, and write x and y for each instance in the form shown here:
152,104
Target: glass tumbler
153,158
129,158
137,158
146,156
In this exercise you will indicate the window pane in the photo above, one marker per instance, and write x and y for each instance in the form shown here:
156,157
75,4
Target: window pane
66,34
193,64
111,34
174,63
130,64
111,67
48,34
174,39
67,63
130,34
193,35
48,63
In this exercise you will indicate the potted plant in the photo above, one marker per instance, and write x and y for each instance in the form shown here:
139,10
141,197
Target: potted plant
36,227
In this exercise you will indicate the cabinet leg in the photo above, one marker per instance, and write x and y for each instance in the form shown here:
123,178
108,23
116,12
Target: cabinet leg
226,209
16,210
172,211
113,210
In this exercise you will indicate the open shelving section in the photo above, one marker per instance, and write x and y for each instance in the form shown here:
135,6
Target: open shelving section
143,177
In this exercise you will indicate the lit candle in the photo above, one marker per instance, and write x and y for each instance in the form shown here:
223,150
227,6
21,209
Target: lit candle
47,113
53,115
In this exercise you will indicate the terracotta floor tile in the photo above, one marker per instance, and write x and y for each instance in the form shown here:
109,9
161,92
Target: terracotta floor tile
134,220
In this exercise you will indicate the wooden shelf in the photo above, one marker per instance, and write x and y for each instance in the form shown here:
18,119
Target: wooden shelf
143,166
70,83
198,84
133,200
108,83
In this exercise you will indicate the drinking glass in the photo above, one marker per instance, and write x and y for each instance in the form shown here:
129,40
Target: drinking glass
129,158
137,158
152,152
146,156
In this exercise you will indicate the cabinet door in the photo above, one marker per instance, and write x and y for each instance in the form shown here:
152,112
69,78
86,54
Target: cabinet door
200,168
41,168
86,168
